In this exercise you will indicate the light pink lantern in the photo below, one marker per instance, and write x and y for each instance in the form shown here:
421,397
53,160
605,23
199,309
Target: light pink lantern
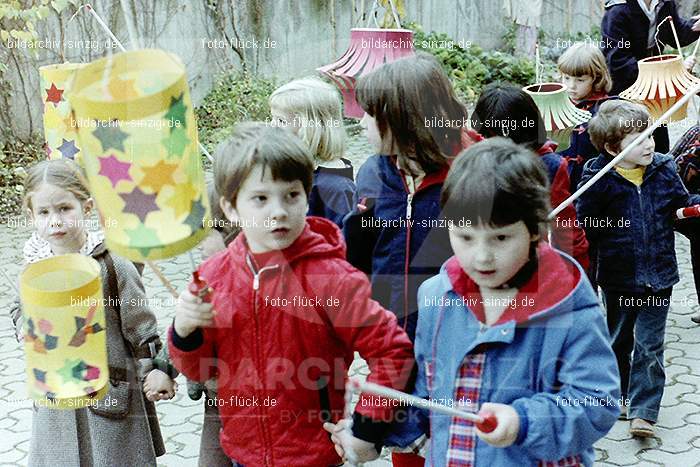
369,48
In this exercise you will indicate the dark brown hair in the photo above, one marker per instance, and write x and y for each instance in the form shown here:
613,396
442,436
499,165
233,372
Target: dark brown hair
408,97
497,182
255,143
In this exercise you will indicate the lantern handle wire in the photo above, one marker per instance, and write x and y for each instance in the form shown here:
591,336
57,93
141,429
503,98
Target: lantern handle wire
130,27
656,35
675,36
395,13
99,20
645,134
373,14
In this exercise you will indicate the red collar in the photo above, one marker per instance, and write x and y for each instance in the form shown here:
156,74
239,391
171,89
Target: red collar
553,280
548,147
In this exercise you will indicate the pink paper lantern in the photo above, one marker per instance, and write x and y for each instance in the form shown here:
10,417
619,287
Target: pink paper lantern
369,48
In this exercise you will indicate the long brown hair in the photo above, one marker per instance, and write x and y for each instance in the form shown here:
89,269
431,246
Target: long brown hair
413,99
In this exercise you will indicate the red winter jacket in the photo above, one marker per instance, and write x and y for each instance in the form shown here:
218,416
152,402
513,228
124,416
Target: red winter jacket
282,343
567,234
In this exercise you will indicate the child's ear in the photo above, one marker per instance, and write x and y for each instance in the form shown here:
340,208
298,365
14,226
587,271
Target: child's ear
88,205
608,148
229,210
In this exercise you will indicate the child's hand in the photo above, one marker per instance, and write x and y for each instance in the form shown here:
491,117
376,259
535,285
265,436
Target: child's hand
689,63
191,313
159,386
508,427
344,441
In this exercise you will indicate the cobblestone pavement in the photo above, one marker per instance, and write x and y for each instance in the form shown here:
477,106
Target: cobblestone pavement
678,430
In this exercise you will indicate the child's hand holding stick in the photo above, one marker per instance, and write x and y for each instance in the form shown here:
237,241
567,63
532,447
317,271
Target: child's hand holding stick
193,308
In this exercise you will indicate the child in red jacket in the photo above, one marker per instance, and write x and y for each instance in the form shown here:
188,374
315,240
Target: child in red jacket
286,315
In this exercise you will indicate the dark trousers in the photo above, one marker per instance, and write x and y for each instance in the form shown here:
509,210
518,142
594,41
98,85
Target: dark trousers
637,322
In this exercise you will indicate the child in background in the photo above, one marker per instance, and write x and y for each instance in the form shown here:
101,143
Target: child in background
509,326
58,201
287,314
686,154
629,216
630,33
394,235
210,452
585,74
506,110
312,109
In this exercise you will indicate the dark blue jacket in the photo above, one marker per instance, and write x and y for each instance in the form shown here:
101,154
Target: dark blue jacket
380,242
630,228
625,34
333,194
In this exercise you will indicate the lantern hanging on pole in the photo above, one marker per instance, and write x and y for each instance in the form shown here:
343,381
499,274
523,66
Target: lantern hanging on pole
560,115
64,331
60,129
661,82
369,48
139,138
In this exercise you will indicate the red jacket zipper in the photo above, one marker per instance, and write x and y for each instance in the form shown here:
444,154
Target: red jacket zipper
267,456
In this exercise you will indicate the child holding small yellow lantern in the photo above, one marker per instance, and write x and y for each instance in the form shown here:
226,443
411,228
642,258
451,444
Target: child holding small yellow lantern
123,424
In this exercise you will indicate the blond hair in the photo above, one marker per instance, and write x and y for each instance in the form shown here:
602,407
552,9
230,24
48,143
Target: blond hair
584,58
615,120
62,173
317,106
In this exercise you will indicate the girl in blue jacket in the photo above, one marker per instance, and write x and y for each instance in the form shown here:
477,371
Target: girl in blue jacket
414,121
509,326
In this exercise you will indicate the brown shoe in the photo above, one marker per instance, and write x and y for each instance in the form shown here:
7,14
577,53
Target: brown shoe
640,428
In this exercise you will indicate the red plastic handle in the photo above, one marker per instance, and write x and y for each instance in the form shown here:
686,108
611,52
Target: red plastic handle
489,422
200,288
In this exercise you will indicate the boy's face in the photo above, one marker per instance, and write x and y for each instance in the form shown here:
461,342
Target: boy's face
640,156
271,213
579,87
491,255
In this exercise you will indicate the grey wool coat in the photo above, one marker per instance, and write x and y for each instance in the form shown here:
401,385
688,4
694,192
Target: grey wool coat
123,434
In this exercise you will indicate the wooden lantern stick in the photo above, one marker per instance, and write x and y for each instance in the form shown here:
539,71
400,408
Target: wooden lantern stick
159,274
638,140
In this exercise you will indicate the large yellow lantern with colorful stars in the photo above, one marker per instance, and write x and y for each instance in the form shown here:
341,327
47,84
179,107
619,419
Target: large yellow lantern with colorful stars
138,133
65,341
60,130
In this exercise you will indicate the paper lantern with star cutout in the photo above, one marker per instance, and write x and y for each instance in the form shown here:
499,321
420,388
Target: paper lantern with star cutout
60,129
64,331
661,82
137,129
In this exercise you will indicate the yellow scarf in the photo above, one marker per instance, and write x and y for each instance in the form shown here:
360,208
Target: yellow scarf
633,175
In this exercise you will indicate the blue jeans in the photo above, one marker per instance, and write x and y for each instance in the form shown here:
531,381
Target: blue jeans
638,322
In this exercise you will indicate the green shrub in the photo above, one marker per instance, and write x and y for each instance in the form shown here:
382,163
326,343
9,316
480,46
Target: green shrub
15,157
470,69
235,97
